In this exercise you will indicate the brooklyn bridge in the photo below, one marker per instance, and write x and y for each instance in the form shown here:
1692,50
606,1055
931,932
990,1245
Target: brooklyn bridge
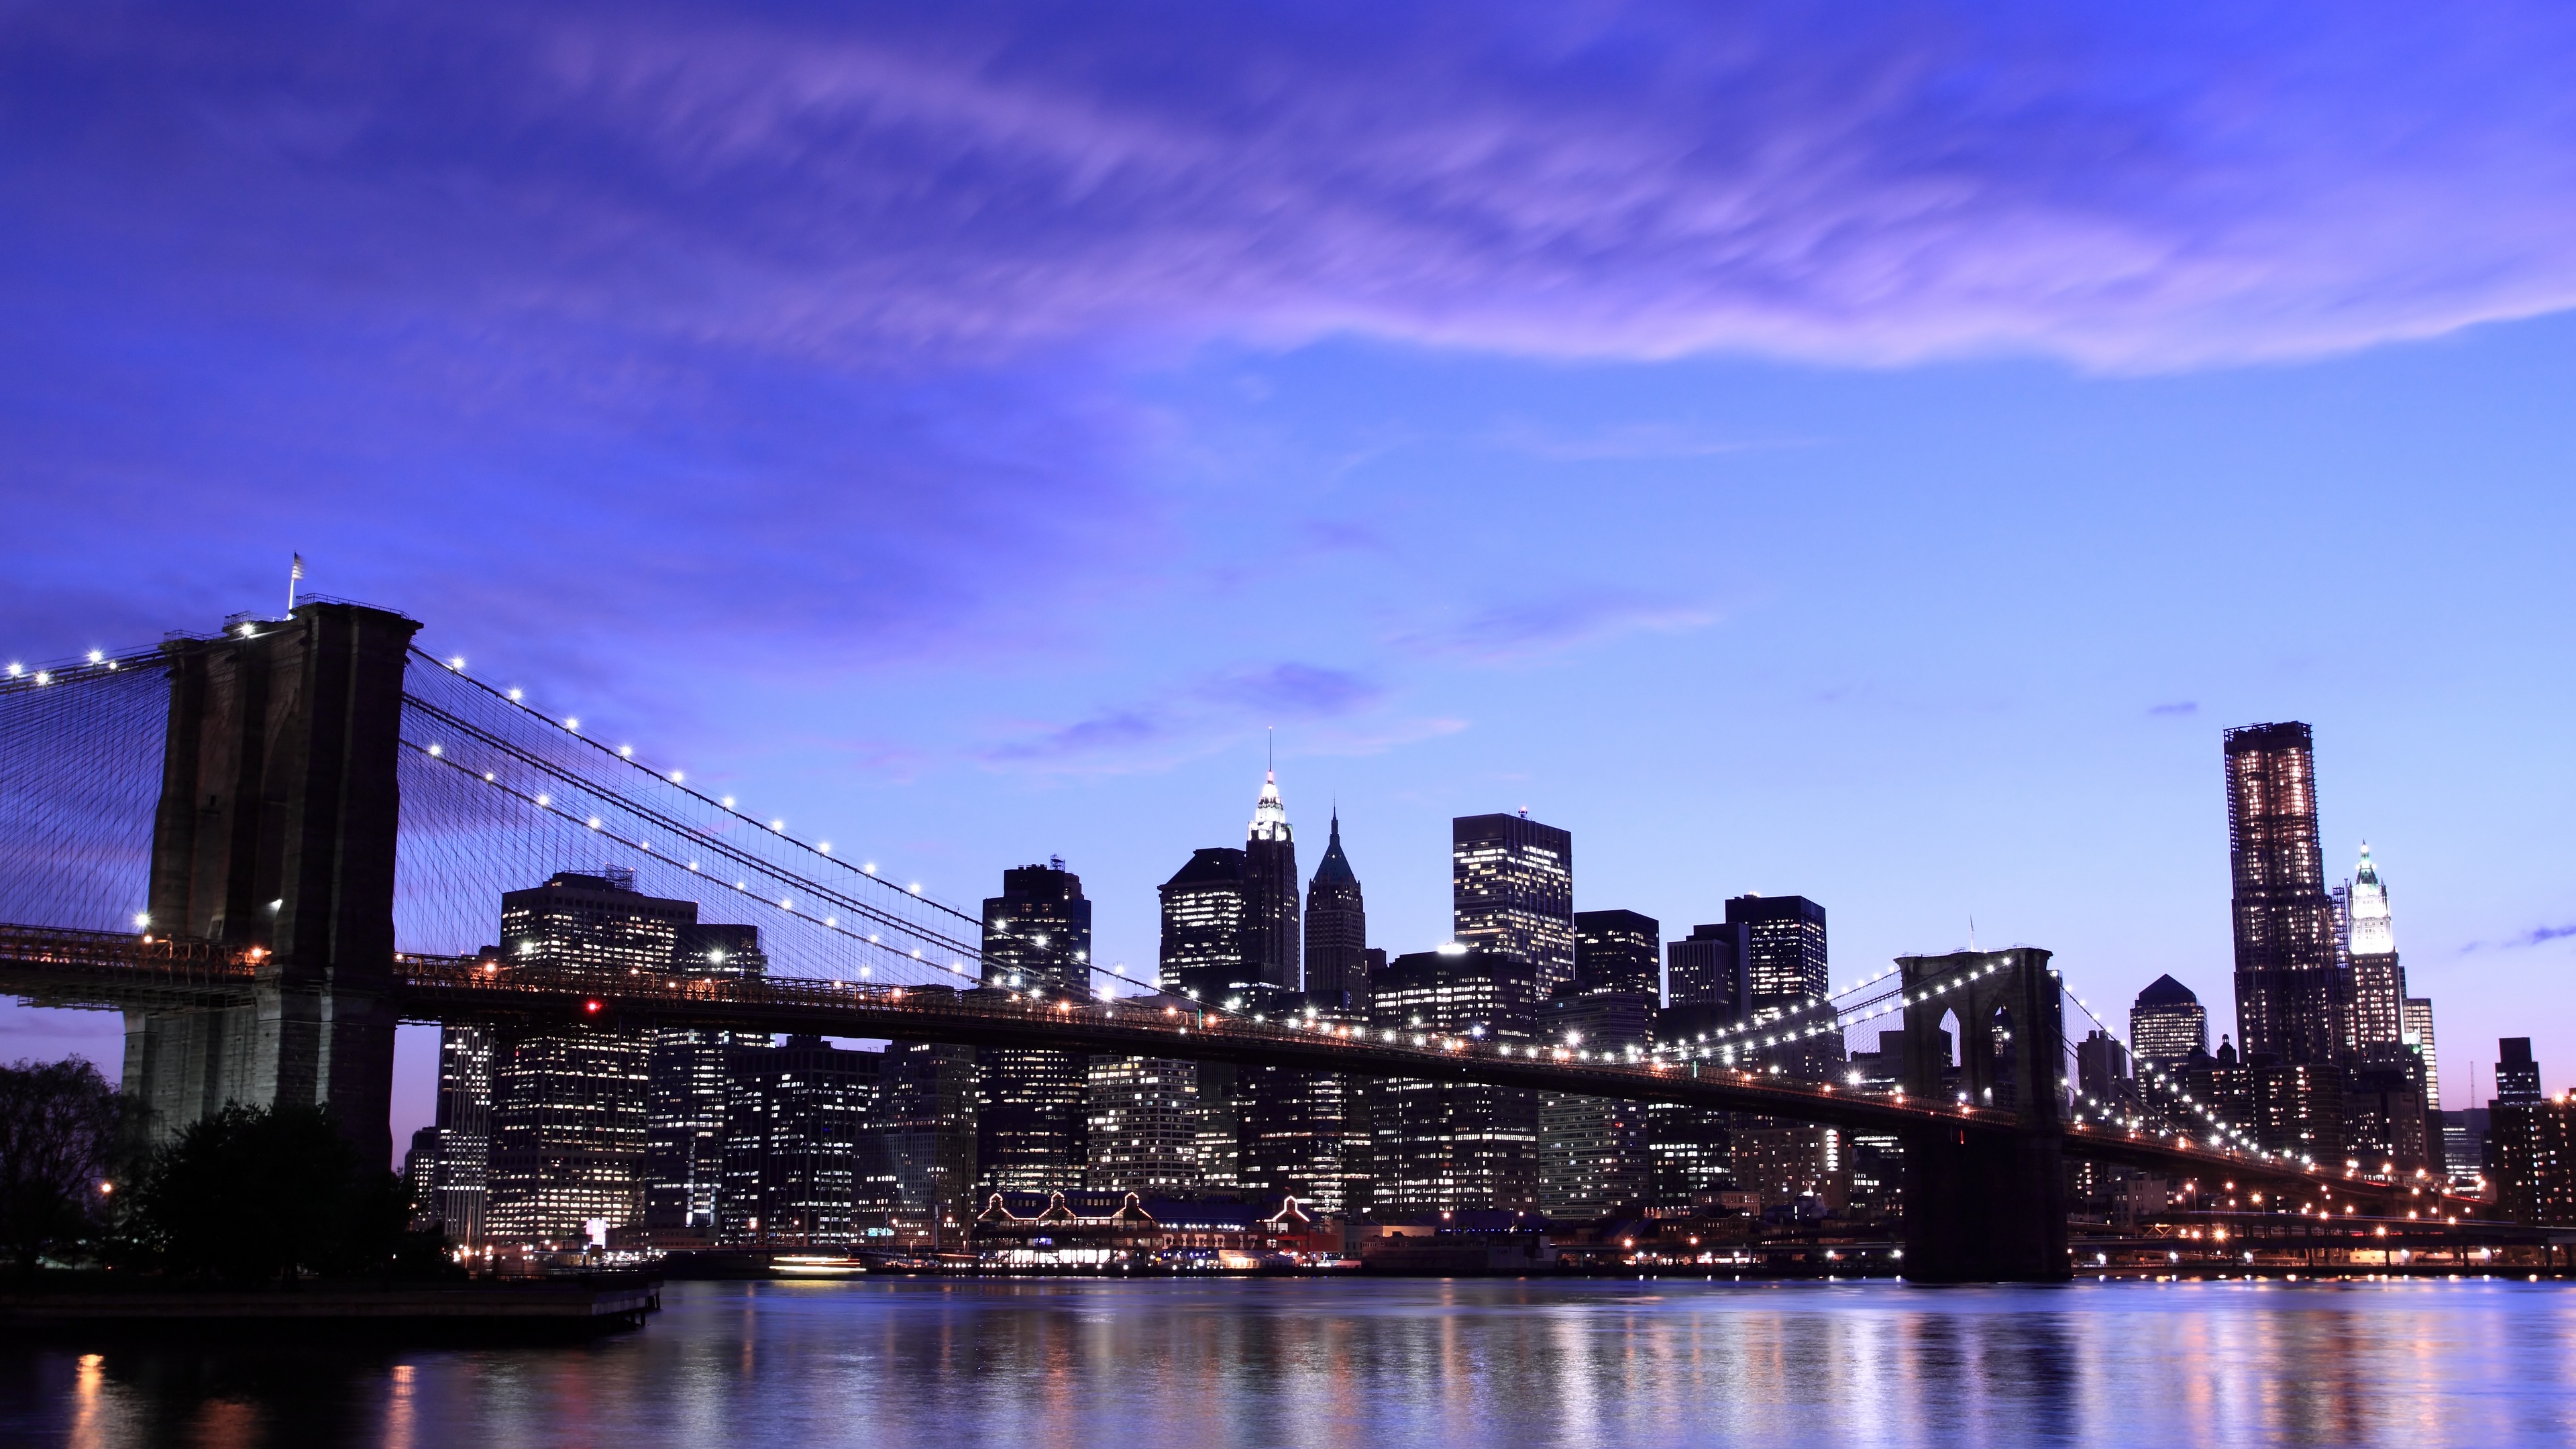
269,845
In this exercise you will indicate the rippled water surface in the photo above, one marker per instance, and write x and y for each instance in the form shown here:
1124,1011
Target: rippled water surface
1069,1364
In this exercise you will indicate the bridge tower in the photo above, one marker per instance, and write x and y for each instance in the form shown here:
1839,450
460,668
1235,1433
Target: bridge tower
1986,1207
275,833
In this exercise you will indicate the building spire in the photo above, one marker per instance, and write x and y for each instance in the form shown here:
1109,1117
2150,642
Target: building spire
1269,813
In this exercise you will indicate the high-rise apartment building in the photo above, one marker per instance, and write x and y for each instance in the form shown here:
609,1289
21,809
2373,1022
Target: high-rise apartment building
2167,1024
2517,1075
2531,1141
2292,1003
1275,938
1618,951
1511,884
2419,1035
1337,958
1785,944
1028,1112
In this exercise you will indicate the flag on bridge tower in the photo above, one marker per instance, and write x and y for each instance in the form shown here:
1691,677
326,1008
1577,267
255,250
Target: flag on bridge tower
293,573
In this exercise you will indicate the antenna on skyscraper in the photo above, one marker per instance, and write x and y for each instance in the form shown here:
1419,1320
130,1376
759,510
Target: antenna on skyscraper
1270,750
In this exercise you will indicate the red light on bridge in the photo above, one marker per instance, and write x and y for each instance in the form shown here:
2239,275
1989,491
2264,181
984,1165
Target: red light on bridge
590,1006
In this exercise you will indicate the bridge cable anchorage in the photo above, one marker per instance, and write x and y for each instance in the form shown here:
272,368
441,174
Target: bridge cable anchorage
824,875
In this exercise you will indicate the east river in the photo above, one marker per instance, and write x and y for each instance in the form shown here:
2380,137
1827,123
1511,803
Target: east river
1084,1364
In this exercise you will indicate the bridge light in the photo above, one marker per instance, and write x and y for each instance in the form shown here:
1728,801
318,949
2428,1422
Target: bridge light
626,752
728,802
142,918
592,1005
778,825
572,724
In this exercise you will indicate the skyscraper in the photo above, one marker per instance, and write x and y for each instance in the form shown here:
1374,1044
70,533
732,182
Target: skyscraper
1512,895
2517,1075
2167,1024
1143,1126
1336,930
1206,912
921,1168
2378,981
570,1103
463,1122
1449,1145
1708,980
797,1123
2291,1003
686,1101
1618,951
2419,1035
1595,1154
1028,1111
1274,938
1785,967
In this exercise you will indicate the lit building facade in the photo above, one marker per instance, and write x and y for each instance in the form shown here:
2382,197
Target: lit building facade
1596,1154
796,1135
1274,935
1207,914
2378,980
1446,1145
918,1181
2167,1024
1511,882
1142,1133
1029,1112
2292,1003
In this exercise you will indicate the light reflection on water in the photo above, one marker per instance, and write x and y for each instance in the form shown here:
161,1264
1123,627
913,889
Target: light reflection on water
1075,1364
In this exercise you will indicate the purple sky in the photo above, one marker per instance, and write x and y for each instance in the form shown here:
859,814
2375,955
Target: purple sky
1866,450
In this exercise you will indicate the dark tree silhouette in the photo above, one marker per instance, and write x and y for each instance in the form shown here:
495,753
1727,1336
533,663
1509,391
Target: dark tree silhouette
57,1131
268,1192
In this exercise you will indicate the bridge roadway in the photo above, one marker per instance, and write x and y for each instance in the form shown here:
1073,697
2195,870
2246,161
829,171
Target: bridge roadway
112,971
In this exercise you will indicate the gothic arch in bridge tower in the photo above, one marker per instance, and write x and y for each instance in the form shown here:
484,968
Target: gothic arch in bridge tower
1985,1206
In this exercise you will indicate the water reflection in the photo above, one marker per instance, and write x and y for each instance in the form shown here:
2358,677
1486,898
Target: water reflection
1383,1365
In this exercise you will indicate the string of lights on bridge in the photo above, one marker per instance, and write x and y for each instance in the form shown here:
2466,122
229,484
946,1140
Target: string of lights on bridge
570,727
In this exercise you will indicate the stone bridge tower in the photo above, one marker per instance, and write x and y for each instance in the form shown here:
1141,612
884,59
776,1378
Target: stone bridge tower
275,833
1986,1206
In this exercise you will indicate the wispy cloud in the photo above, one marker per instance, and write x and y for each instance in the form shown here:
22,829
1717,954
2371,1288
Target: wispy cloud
2536,936
1188,720
1524,630
2179,707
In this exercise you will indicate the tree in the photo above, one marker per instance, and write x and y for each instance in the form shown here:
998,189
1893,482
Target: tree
261,1192
57,1130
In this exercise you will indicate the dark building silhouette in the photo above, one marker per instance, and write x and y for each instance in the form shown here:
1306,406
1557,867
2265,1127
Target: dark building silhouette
1275,939
2167,1024
918,1178
686,1094
1618,951
2291,1001
1512,895
1337,963
2531,1141
1206,915
1708,980
1028,1111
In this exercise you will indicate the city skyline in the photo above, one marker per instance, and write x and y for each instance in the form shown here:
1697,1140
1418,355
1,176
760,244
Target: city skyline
1572,469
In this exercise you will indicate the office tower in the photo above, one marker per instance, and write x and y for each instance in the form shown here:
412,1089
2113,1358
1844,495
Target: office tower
2517,1076
1301,1134
2419,1035
1511,883
463,1118
685,1091
2167,1024
798,1115
1207,913
2378,981
922,1167
1596,1155
1336,931
1142,1133
1707,981
1028,1107
2386,1119
1275,934
2102,1074
570,1103
2531,1141
420,1178
1446,1145
1785,969
1618,951
2291,1003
